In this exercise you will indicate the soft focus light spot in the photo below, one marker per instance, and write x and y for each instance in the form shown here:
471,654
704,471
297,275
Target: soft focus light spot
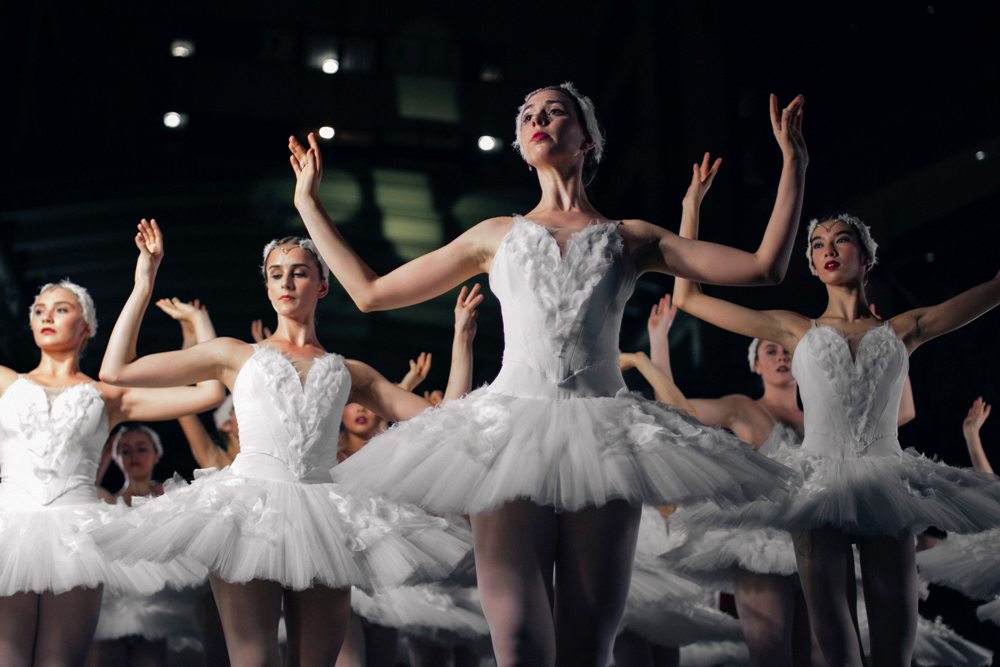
175,120
488,144
981,155
931,10
182,48
326,132
930,257
490,74
330,66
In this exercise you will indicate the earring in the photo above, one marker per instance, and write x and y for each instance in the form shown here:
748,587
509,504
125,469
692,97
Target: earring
530,168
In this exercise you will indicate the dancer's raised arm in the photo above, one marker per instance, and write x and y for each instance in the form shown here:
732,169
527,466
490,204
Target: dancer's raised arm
665,252
920,325
169,369
466,313
781,326
973,422
418,280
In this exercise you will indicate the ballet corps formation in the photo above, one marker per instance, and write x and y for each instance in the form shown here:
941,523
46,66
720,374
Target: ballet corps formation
551,517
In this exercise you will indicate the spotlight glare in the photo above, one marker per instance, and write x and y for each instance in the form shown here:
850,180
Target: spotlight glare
330,66
175,120
182,48
488,144
980,155
930,257
326,132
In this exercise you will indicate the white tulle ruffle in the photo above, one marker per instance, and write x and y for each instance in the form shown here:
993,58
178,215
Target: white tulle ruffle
430,611
936,644
989,612
474,454
47,549
713,557
871,495
968,563
715,654
300,535
168,615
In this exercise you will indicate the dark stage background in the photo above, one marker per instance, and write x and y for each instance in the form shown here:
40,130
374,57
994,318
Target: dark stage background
901,123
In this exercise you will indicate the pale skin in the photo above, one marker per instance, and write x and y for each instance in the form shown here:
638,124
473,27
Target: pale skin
317,616
57,629
888,563
571,618
971,426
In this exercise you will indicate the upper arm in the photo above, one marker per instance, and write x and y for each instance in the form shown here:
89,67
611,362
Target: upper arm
916,327
662,251
216,359
372,390
7,377
438,271
714,411
781,326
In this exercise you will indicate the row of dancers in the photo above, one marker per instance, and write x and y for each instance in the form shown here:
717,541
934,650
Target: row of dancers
552,462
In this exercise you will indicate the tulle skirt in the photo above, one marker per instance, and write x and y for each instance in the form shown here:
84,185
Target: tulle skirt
46,549
433,612
299,535
968,563
477,453
168,615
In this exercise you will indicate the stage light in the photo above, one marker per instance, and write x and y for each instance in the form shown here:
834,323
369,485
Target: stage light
175,120
488,144
330,66
326,132
980,156
930,257
931,10
182,48
490,74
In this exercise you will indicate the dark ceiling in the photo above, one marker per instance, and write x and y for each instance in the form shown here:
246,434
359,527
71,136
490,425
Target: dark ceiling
900,99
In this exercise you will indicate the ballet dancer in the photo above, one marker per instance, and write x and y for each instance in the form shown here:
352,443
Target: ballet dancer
859,485
551,460
54,422
272,528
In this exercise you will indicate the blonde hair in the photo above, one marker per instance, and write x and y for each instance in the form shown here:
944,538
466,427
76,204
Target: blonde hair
83,299
588,116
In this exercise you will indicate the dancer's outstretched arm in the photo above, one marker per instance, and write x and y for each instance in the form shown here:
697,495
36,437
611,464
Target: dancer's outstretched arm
664,252
662,383
973,422
781,326
199,364
460,373
419,368
418,280
661,317
920,325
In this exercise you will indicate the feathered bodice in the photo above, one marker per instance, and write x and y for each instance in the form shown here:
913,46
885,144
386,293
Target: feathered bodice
51,439
781,435
561,314
288,430
851,405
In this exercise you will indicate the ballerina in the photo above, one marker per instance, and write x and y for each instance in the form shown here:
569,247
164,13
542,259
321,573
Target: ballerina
858,484
54,422
551,460
272,527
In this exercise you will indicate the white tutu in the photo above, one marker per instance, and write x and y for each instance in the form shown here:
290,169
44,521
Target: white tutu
477,453
715,654
430,611
298,534
968,563
713,557
990,612
936,644
46,549
168,615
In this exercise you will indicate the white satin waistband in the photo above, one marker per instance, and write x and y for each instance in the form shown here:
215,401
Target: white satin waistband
518,378
833,444
258,465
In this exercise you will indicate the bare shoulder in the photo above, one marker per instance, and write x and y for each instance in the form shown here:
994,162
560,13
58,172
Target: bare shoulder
491,231
361,373
7,377
641,236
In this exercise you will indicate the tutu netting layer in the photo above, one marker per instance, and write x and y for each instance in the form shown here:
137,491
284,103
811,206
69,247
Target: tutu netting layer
475,454
714,556
168,615
48,550
432,612
967,563
297,534
715,654
936,644
989,612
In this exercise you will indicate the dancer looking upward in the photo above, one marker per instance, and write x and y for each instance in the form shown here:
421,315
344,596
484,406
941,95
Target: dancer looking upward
549,460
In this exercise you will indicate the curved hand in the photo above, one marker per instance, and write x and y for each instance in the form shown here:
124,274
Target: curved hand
787,127
977,416
419,369
435,397
466,311
149,241
258,331
630,360
702,176
661,317
307,163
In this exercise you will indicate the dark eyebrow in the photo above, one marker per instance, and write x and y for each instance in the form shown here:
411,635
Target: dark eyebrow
842,231
554,100
294,266
57,303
